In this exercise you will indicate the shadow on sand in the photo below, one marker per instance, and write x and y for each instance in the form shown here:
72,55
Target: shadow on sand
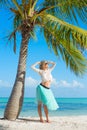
1,126
29,120
24,119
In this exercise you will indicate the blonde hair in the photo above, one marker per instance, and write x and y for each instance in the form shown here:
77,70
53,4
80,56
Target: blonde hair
41,64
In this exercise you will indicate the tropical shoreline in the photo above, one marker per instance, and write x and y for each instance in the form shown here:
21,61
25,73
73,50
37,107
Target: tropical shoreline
68,107
33,123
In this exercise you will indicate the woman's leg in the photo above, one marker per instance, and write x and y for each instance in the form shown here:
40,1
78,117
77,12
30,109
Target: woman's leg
46,113
40,112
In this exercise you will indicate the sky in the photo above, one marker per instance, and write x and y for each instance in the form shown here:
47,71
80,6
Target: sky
65,83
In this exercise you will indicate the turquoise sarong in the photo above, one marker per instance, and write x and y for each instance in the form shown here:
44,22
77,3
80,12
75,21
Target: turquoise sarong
45,96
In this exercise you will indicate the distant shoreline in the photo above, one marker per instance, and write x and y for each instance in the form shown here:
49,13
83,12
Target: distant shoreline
67,107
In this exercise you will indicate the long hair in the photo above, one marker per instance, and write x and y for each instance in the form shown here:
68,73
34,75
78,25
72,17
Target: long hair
41,64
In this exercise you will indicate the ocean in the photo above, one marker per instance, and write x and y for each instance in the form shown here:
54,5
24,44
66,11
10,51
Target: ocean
67,107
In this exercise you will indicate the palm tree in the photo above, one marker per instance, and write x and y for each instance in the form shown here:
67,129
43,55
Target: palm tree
55,18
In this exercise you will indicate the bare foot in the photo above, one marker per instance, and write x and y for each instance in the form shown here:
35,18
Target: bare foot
41,120
48,121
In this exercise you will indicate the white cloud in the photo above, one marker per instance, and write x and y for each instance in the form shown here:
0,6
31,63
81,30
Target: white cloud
4,84
64,83
31,82
76,83
54,82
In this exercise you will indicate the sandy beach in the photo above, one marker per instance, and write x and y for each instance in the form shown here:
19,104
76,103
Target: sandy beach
57,123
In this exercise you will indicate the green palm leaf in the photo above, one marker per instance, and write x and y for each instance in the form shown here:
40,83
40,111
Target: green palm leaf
65,39
64,30
70,54
64,47
73,58
68,9
18,7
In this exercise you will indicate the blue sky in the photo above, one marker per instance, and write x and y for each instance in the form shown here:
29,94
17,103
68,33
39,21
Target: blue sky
65,83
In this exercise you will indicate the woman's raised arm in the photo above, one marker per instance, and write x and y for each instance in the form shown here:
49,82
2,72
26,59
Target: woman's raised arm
52,66
34,66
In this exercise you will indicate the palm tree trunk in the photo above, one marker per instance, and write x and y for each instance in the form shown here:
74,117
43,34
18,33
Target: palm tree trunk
15,101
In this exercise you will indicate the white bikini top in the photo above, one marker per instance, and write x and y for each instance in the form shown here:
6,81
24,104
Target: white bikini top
45,74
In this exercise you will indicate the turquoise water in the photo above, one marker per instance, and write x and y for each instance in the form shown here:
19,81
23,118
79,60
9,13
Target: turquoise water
67,107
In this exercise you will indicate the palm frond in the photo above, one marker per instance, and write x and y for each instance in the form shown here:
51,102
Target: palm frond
66,31
33,35
68,9
70,54
4,3
14,47
18,7
73,58
31,7
15,11
34,4
23,2
17,21
13,35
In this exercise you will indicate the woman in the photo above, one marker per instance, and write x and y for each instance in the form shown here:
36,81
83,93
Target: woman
44,95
